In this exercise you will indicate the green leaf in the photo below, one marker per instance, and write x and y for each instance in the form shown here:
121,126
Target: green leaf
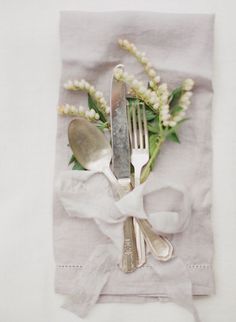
152,129
173,137
72,159
93,105
101,126
175,96
77,166
150,115
176,109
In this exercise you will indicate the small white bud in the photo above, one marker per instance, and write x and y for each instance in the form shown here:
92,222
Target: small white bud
156,106
126,43
177,118
66,109
91,90
142,89
172,123
188,84
165,117
157,79
98,94
102,101
163,87
86,86
92,112
81,85
144,60
87,114
76,83
81,109
97,117
152,73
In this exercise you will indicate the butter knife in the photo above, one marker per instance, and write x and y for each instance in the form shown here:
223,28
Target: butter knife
121,165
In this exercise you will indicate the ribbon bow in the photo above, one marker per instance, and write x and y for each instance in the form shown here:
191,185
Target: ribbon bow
88,194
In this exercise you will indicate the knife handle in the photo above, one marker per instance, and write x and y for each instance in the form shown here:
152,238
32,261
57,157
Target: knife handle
130,255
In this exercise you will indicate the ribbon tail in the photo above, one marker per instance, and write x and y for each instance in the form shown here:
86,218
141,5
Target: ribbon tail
91,280
177,283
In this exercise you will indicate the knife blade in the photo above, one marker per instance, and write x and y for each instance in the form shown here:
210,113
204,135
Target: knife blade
121,164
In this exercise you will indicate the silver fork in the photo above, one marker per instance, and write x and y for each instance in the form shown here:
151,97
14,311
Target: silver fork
159,246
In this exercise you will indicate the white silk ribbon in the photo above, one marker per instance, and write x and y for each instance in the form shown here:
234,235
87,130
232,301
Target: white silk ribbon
88,194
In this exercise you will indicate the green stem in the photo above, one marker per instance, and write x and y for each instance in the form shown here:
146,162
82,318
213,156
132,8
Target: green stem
147,168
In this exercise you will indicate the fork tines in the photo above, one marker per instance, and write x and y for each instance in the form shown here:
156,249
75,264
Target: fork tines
138,125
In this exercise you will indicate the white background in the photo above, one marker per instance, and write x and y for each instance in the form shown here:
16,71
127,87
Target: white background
29,77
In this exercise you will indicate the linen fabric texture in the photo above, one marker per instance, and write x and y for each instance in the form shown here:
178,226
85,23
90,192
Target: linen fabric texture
179,47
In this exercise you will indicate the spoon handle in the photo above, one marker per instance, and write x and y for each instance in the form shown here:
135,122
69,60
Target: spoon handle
159,246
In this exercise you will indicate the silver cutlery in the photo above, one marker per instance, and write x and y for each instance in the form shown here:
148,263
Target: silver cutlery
139,157
121,165
91,148
159,246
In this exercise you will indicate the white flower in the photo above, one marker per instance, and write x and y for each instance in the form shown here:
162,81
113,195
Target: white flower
91,90
98,94
81,109
96,116
76,83
172,123
163,87
187,85
177,118
144,60
157,79
165,117
152,73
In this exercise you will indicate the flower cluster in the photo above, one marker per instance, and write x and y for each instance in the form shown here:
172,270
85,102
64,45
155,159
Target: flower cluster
72,110
157,95
141,58
138,89
98,96
172,118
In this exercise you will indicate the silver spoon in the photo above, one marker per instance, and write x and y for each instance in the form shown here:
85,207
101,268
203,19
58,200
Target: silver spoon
91,148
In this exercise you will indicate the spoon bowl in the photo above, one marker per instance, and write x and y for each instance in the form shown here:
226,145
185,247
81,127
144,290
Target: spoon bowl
91,148
89,145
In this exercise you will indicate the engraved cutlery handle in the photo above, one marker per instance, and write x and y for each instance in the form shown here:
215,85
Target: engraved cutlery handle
129,256
159,246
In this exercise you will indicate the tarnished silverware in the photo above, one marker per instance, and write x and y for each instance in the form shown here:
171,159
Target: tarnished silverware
91,148
121,164
159,246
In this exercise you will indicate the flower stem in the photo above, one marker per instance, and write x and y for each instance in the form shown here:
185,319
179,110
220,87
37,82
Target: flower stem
147,169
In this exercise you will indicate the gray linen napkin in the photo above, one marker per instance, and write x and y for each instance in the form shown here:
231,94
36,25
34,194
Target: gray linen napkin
179,46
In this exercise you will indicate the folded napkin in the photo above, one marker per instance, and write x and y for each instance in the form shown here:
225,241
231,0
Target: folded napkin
176,198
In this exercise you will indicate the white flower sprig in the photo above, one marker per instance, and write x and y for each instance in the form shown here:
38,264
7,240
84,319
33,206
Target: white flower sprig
85,86
138,89
72,110
157,97
141,58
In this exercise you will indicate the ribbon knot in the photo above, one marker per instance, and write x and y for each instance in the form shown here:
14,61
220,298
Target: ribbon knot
88,194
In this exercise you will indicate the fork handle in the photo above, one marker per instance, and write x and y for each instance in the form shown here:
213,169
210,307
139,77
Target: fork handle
137,175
